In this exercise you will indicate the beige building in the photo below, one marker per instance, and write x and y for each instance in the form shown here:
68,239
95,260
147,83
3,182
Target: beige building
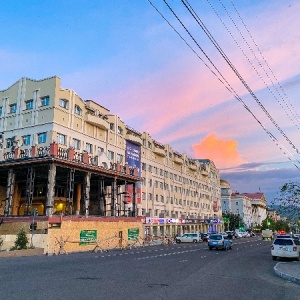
102,166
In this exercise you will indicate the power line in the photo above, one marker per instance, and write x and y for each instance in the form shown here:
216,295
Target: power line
206,31
265,61
228,86
248,59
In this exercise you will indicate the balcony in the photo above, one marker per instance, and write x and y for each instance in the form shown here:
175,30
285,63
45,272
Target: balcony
134,138
159,151
193,167
204,172
96,121
178,160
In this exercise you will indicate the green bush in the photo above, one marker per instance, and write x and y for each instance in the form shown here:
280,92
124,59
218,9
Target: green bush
21,241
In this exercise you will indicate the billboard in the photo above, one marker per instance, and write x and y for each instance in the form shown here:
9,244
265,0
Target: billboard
133,159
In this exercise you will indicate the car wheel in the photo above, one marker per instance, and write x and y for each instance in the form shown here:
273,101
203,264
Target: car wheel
178,241
226,248
274,257
298,258
194,241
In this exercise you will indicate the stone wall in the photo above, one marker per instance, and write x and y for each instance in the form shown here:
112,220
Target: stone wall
108,235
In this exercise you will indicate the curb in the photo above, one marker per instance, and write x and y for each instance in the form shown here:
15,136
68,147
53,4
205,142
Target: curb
284,275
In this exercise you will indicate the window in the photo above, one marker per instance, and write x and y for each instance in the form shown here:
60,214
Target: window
76,144
144,142
149,145
61,139
63,103
156,212
143,166
77,110
150,196
29,104
111,155
42,137
144,196
89,148
0,110
111,126
26,140
156,198
120,130
9,142
150,168
150,182
100,150
119,158
45,101
13,108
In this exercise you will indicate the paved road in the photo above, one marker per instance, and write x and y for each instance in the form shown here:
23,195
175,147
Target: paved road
188,271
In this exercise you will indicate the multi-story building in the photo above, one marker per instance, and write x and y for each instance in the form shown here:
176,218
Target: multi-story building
64,155
250,206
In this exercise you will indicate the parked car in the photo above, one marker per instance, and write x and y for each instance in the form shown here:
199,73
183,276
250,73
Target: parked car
189,238
204,237
285,247
218,241
230,234
238,235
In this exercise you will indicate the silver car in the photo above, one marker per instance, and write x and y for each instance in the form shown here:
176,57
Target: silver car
189,238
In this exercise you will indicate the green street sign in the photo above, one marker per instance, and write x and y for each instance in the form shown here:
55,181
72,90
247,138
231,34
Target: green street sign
88,237
133,234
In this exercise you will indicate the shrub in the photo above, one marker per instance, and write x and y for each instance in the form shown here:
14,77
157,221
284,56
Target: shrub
21,241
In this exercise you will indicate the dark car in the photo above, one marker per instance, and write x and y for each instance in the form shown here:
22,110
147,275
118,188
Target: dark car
204,237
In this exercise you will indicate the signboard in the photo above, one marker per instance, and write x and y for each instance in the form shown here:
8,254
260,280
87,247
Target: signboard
133,234
133,159
88,237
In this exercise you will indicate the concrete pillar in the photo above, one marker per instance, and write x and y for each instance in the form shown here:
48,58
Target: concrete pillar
9,192
78,197
50,190
86,191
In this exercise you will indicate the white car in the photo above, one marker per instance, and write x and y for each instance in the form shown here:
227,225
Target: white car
285,247
239,234
189,238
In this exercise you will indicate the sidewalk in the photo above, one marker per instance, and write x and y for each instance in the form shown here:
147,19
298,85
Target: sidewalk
288,270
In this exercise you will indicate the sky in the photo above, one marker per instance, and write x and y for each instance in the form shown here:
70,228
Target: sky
162,74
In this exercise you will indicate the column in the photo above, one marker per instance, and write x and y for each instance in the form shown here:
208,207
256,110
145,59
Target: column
9,192
16,200
86,191
78,197
50,190
113,195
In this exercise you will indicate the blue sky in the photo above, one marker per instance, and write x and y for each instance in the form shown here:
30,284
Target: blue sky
124,55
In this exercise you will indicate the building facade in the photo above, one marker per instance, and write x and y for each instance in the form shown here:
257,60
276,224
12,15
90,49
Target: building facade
64,155
251,207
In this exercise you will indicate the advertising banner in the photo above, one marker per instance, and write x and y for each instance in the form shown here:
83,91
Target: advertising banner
133,159
87,237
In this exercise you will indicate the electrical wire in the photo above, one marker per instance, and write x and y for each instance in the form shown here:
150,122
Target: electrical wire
224,81
206,31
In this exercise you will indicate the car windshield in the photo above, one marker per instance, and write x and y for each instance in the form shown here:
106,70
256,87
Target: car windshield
283,242
216,237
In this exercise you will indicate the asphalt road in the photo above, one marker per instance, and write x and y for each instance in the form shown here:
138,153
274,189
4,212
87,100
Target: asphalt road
184,271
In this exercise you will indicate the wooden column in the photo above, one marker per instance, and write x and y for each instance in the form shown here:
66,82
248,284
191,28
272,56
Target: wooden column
78,198
16,200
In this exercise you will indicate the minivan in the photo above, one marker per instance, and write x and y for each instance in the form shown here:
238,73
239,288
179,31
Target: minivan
189,238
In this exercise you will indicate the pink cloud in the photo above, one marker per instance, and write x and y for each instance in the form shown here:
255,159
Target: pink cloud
224,153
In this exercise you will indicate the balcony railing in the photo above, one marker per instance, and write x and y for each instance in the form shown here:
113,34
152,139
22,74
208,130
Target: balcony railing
97,121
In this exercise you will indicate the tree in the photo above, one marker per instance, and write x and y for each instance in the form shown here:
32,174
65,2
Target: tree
232,221
21,241
288,202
